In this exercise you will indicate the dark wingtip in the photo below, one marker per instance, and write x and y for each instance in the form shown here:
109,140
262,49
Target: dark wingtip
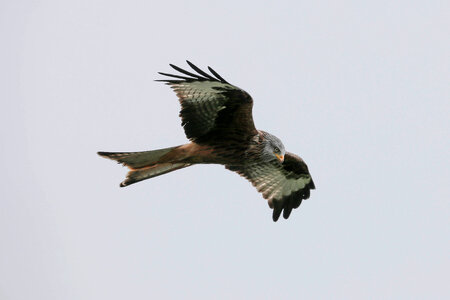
297,203
276,214
287,211
312,185
217,75
200,71
277,209
201,76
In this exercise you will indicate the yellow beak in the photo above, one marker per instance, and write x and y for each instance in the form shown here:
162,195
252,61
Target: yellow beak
280,157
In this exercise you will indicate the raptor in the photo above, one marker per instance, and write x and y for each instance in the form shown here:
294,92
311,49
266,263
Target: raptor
217,119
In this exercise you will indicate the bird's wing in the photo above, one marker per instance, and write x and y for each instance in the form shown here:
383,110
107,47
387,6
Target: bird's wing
283,185
210,106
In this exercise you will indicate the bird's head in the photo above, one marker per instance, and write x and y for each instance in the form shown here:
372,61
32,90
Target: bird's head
273,148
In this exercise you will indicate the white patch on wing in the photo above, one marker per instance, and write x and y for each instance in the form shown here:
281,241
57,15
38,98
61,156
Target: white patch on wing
293,185
195,88
203,101
275,186
277,182
288,187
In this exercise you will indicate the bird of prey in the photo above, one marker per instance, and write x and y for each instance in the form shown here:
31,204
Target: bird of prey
217,119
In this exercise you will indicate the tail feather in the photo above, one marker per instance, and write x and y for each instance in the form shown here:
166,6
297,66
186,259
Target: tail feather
146,164
148,172
137,160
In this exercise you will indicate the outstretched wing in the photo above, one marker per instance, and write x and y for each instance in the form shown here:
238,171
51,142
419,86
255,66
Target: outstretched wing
283,185
210,106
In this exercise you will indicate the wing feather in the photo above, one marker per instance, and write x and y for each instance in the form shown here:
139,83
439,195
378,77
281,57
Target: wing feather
211,107
283,185
217,75
186,72
174,76
200,71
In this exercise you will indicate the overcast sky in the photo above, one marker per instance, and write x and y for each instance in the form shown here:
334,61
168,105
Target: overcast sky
359,89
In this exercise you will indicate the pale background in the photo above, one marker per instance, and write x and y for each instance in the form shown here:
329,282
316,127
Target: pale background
359,89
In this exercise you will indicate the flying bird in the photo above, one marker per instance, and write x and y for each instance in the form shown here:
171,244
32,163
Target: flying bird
217,119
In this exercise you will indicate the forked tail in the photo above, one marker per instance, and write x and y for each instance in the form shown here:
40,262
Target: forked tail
146,164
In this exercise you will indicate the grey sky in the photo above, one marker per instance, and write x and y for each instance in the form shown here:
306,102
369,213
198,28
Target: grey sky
360,90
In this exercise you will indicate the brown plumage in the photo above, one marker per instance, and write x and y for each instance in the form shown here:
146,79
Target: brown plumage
217,119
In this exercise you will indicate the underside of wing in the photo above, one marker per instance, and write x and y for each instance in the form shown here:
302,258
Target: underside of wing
210,106
284,186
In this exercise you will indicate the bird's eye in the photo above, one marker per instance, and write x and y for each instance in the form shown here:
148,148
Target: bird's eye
276,150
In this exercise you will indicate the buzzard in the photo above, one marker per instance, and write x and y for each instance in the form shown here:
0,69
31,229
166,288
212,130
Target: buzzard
217,119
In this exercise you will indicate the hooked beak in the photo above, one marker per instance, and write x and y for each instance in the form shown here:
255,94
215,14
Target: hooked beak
280,157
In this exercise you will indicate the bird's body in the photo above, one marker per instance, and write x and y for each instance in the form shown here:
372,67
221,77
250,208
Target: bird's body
217,118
